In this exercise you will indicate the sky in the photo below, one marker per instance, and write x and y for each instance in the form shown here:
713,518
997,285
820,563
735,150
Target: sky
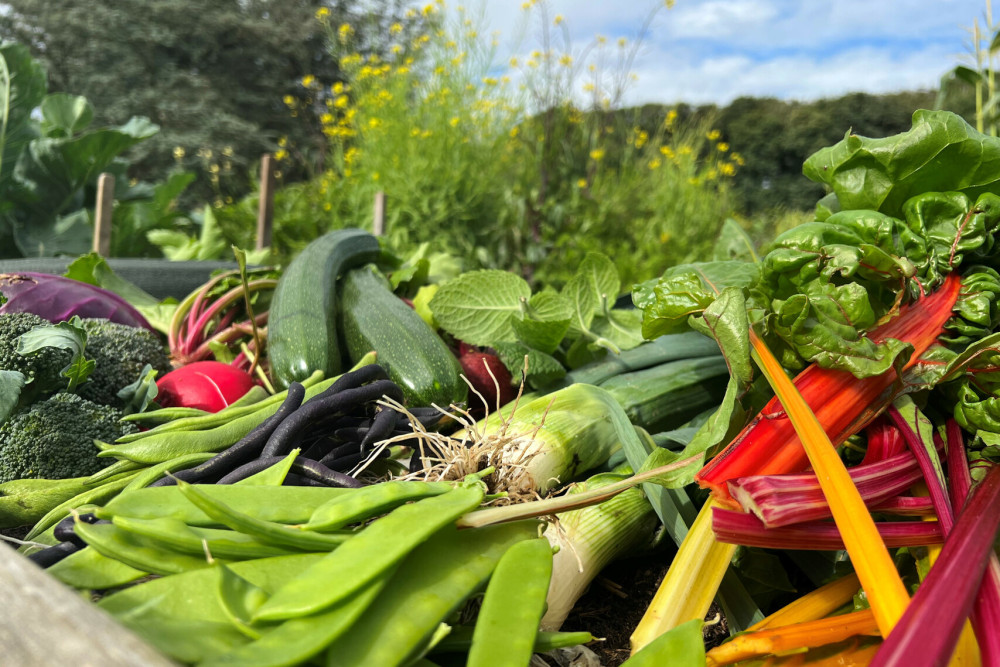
713,51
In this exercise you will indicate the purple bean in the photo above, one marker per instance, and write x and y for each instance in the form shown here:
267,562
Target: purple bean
52,555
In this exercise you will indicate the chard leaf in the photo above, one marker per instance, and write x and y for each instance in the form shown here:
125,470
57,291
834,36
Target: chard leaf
685,290
546,321
976,311
924,429
67,336
542,368
726,321
11,383
940,153
478,307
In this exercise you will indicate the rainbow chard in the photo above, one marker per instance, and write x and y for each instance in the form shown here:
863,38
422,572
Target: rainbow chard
945,598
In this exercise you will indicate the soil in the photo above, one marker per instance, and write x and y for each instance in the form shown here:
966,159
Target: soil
616,601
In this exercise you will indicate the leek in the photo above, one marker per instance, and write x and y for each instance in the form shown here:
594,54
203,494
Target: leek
590,538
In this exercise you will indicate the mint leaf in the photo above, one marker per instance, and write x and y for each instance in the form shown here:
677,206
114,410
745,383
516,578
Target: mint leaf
621,327
595,283
546,322
477,307
542,368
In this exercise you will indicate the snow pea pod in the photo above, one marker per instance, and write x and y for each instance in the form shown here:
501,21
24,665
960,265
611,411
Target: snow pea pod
299,639
90,570
513,606
434,581
459,640
99,494
370,501
134,551
382,544
283,504
178,536
268,532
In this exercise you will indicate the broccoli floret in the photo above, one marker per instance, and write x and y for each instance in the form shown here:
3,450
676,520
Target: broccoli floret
121,352
42,370
54,438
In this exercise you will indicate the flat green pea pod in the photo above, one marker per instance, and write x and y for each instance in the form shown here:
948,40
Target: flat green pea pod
92,496
282,504
178,536
459,640
24,501
433,582
684,646
368,501
376,548
513,606
150,475
192,594
88,569
274,475
297,640
269,532
114,542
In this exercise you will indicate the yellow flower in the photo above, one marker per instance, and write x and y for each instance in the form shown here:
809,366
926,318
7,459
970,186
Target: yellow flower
738,159
322,13
588,87
178,152
514,62
622,42
601,39
581,183
326,118
327,206
428,10
374,123
713,135
597,154
227,151
395,28
454,121
282,141
722,146
489,81
288,100
344,31
396,48
213,169
341,102
655,163
525,6
558,19
376,176
566,60
281,154
667,152
308,80
670,118
514,132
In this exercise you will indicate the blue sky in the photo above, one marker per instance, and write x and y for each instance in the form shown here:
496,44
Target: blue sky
712,51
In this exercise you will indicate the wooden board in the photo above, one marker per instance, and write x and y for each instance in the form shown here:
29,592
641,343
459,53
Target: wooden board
44,623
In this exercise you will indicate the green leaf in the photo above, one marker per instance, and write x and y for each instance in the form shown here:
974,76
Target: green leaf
11,383
546,322
542,368
734,243
28,84
65,335
139,395
595,284
940,153
621,327
478,307
65,115
684,646
421,301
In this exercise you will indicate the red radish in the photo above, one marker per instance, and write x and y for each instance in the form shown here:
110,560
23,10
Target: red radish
206,385
477,366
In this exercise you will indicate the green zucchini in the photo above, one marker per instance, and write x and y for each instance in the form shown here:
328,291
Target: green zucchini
373,318
302,322
665,396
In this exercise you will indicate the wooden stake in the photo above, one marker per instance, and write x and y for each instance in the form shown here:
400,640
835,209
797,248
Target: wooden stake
265,209
378,223
102,214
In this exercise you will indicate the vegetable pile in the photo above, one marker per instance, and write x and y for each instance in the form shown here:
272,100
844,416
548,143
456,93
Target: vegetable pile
361,459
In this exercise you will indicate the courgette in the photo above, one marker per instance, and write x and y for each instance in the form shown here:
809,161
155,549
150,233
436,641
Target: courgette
416,358
665,396
302,323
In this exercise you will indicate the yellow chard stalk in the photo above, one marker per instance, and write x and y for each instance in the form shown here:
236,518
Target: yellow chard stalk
868,553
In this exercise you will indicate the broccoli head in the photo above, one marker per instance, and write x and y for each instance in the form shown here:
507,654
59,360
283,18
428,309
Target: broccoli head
121,352
54,438
41,369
